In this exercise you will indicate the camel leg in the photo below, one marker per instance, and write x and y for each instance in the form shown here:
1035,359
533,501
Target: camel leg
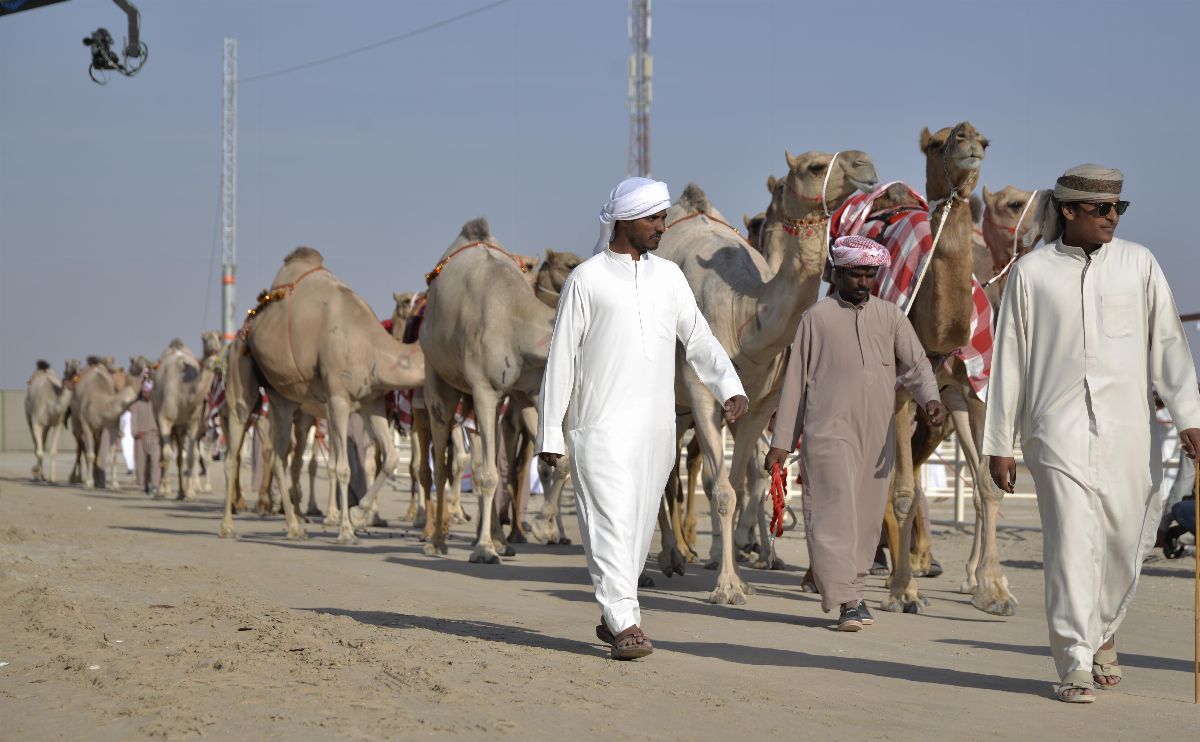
338,418
486,402
375,414
670,560
414,469
300,427
460,457
891,530
241,394
91,441
675,505
695,469
921,556
441,399
991,593
758,483
38,432
422,433
524,438
282,411
904,595
707,413
189,482
264,506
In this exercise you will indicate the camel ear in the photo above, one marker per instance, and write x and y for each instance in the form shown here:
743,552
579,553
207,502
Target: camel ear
746,220
987,196
549,255
772,181
925,137
396,296
791,161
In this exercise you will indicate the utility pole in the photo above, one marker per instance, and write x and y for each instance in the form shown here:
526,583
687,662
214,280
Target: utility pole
641,68
229,190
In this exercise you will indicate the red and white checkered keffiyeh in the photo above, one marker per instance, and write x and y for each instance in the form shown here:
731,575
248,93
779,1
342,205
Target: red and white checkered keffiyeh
856,250
907,235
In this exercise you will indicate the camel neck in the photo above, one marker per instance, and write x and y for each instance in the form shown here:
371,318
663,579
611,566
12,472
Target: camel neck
784,298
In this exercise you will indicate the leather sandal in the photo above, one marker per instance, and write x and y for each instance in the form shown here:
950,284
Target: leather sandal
630,644
1104,664
1076,680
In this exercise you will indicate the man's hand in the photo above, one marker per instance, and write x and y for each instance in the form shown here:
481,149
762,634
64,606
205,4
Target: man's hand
1190,440
1004,472
735,407
937,412
551,459
775,456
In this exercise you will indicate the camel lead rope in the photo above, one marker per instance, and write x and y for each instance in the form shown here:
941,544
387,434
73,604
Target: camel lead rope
778,495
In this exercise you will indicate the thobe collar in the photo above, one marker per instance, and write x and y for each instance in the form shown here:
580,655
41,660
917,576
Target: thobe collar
621,257
857,307
1078,252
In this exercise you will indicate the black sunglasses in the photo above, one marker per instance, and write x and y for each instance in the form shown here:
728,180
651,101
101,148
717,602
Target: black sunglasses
1103,208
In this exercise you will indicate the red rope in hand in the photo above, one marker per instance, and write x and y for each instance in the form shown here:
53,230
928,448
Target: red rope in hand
778,493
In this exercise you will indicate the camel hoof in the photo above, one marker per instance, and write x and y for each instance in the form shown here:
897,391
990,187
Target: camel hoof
347,539
263,508
728,592
484,553
914,607
671,562
296,534
967,587
226,531
504,549
89,485
645,580
891,604
1003,604
771,563
712,564
359,517
516,537
429,549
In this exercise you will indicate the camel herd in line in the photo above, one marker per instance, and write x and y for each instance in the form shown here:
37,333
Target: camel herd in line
478,342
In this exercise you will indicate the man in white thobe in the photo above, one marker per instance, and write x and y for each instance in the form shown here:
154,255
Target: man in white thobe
1086,326
611,375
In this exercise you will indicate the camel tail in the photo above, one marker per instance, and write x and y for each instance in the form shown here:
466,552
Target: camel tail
695,200
476,230
43,365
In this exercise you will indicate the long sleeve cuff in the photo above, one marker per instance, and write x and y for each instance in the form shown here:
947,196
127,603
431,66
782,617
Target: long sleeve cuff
552,441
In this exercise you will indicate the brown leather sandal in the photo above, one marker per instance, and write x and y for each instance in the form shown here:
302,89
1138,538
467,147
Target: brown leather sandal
630,644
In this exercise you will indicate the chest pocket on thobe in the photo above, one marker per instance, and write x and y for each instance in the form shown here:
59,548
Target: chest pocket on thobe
1117,315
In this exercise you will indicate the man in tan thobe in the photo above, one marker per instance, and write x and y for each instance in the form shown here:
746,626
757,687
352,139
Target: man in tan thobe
147,450
840,393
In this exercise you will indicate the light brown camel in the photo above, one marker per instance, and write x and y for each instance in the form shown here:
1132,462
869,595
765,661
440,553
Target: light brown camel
47,400
101,395
1002,210
180,397
754,314
485,335
319,348
941,314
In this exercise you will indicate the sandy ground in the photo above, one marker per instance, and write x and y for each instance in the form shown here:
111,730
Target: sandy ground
123,617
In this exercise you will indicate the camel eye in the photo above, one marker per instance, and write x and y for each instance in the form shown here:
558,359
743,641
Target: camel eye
1015,205
817,168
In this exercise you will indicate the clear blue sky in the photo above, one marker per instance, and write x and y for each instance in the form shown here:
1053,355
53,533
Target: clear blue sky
108,196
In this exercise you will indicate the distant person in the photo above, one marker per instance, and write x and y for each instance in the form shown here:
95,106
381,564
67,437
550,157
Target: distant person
1086,326
147,446
610,376
840,393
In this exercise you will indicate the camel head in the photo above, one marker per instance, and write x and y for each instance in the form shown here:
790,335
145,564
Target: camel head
70,367
1001,210
754,228
138,364
405,302
552,274
953,156
210,341
43,365
109,363
806,188
895,196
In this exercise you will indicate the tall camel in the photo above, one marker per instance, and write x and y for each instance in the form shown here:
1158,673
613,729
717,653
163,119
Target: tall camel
486,336
101,396
180,397
754,313
319,348
941,315
47,399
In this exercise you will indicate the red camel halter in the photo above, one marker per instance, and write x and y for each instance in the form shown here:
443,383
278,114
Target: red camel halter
778,496
437,269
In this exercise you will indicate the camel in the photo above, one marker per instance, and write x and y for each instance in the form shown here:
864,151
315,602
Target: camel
486,335
101,395
180,397
754,228
753,311
47,400
342,360
940,313
1002,210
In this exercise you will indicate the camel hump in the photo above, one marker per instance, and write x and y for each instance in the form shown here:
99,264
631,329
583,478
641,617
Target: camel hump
695,200
476,230
176,344
306,255
43,365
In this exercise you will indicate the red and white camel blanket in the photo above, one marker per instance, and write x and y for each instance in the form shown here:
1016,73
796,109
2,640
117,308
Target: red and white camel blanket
907,233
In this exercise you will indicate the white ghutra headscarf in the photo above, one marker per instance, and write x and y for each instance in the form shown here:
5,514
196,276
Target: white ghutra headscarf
633,198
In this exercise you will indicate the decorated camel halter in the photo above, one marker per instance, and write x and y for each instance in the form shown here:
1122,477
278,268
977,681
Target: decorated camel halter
437,269
792,226
1016,233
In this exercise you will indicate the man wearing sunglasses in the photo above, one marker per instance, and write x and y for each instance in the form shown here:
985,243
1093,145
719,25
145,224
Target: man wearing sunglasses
1086,326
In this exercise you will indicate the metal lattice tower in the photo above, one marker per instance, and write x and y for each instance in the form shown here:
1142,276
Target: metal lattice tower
229,189
641,68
